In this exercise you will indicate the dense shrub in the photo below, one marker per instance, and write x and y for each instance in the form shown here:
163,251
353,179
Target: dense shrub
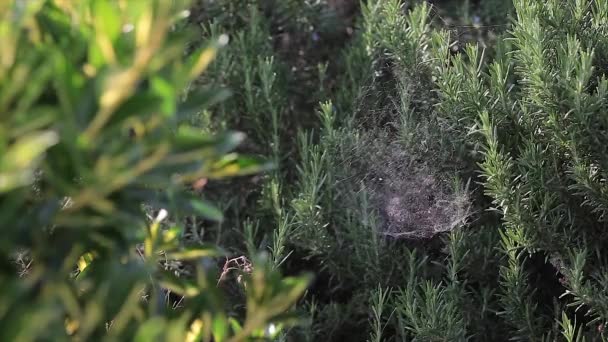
95,154
542,123
526,117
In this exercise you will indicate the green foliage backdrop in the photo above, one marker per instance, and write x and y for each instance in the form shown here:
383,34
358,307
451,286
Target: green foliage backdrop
440,166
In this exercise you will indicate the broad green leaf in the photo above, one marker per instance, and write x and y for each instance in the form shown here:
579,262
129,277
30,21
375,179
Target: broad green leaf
84,261
170,235
180,286
141,105
188,138
189,253
220,328
16,166
27,149
199,100
40,118
206,210
235,325
195,331
107,19
234,165
151,330
201,59
167,94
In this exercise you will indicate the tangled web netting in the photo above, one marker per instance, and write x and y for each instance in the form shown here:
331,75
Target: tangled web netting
419,206
414,199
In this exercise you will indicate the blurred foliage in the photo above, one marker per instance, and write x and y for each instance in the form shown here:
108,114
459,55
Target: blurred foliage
93,131
440,190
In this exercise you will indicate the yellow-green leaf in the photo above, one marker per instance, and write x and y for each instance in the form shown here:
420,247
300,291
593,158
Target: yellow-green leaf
189,253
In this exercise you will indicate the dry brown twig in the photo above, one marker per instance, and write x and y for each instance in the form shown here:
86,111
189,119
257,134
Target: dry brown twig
239,263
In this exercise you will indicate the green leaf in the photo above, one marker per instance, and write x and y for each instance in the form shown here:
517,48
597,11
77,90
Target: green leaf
16,166
220,328
207,210
27,149
166,92
141,105
234,165
235,325
205,250
291,318
41,117
189,138
180,286
151,330
199,100
107,19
